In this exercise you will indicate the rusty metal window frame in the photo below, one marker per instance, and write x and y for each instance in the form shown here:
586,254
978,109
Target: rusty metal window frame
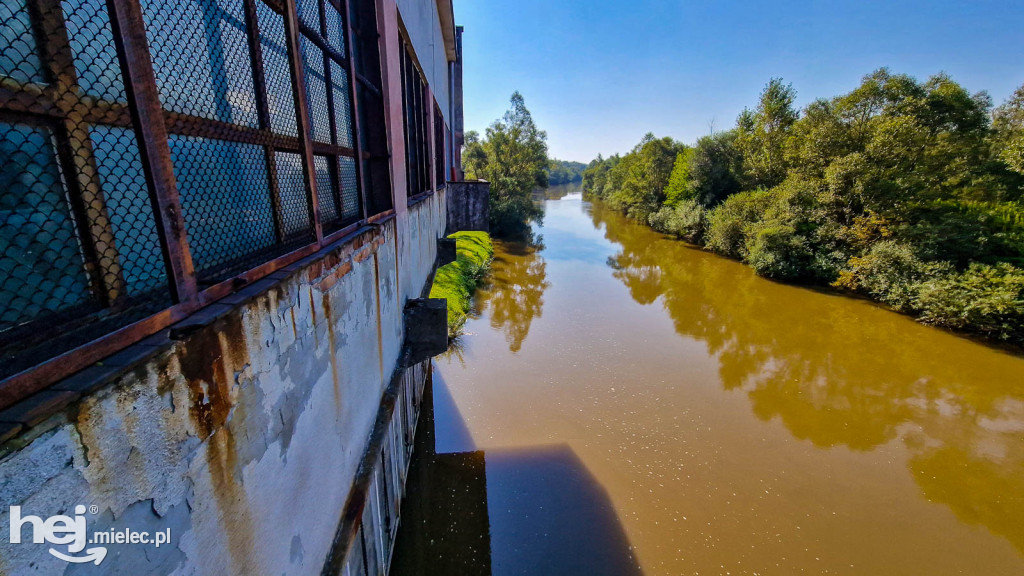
416,111
335,164
440,155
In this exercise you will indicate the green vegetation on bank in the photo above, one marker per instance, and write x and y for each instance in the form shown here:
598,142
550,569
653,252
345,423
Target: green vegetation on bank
513,157
908,192
457,281
564,172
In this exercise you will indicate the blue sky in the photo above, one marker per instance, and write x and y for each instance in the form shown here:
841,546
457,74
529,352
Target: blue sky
599,75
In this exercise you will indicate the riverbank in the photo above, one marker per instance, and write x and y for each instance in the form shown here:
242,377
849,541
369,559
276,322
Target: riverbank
457,280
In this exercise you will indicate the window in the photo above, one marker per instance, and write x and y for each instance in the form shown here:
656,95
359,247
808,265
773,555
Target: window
264,135
440,169
417,126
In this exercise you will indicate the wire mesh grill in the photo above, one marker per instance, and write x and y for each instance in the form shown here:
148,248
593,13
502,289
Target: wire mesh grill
226,202
316,90
342,105
201,59
80,253
88,243
349,188
19,58
297,223
280,100
92,42
335,29
327,194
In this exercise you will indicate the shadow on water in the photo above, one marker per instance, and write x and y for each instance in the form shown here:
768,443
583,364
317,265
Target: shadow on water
530,511
841,372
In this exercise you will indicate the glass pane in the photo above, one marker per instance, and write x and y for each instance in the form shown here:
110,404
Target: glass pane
92,42
280,99
131,211
41,265
294,203
201,58
18,59
225,199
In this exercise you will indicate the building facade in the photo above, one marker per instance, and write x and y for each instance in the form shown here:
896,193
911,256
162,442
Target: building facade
213,214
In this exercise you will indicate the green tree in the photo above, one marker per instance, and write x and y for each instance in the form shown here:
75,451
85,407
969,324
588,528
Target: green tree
716,168
513,158
679,185
763,132
1009,131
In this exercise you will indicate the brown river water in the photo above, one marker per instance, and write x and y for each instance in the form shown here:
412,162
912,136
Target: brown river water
623,403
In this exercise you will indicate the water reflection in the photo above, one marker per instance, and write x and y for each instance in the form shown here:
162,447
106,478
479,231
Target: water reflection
535,510
843,373
514,293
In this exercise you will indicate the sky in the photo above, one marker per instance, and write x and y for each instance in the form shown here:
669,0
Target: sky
598,75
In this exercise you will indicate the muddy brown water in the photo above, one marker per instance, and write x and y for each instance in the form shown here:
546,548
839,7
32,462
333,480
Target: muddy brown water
626,404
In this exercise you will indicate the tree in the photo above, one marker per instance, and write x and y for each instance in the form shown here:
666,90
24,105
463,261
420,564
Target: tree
716,168
762,134
679,187
513,158
1008,122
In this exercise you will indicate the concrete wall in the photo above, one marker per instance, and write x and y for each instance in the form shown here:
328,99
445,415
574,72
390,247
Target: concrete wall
246,436
424,27
468,206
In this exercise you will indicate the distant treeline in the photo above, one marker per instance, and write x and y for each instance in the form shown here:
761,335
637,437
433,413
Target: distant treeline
911,193
564,172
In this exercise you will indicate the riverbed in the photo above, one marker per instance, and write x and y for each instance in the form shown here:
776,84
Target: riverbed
623,403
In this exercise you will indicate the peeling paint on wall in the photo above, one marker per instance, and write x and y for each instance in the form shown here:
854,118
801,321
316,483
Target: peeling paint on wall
245,437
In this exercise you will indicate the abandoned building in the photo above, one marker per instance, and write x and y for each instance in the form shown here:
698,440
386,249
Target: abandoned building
218,219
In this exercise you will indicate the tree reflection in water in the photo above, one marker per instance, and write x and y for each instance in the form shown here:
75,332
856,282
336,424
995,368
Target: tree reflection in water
841,372
515,289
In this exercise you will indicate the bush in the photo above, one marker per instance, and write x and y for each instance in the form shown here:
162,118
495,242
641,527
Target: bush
777,251
983,298
889,272
726,233
687,220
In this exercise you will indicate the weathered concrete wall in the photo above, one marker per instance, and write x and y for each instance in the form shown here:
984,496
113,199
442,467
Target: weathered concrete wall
424,27
468,206
245,437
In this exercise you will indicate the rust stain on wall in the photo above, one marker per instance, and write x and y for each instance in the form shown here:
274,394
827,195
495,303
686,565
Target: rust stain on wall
376,297
232,502
331,354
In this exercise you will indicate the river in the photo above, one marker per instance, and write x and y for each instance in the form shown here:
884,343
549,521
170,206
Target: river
623,403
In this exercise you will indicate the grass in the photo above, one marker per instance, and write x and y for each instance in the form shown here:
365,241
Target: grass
457,281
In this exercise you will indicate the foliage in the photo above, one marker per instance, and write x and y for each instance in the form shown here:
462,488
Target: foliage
909,192
687,220
636,183
679,186
762,134
564,172
513,157
984,298
457,280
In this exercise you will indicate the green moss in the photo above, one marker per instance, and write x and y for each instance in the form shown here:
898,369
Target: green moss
457,281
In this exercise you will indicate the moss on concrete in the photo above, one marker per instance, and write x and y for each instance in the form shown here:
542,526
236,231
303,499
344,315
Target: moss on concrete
457,281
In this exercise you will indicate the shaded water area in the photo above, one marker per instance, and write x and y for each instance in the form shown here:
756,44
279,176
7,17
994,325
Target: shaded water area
626,404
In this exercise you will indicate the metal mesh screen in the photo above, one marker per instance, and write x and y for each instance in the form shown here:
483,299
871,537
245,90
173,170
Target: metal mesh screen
110,187
201,59
226,203
439,163
80,252
99,74
280,100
